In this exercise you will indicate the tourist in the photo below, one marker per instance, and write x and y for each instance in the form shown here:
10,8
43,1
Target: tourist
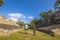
25,28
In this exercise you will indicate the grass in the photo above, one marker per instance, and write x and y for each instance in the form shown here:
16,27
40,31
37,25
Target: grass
19,35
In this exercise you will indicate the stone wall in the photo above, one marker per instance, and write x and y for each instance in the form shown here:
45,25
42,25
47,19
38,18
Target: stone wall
52,29
7,26
4,32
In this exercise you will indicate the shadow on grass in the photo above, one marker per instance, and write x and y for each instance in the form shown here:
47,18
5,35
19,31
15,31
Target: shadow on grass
25,33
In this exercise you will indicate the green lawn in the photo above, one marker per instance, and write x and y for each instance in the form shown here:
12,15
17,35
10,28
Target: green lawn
29,36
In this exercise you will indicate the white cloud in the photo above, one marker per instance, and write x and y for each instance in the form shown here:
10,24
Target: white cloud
19,15
15,16
31,17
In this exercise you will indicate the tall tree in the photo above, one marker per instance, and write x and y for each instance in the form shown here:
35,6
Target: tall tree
33,25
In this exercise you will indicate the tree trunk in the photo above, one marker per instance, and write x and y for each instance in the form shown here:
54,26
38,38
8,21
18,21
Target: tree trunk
34,30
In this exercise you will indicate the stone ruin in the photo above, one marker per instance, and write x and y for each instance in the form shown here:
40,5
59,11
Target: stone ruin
7,26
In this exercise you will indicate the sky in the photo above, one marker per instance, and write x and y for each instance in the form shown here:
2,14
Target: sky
26,10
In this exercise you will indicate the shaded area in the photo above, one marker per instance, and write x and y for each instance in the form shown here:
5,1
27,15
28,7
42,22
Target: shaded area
26,33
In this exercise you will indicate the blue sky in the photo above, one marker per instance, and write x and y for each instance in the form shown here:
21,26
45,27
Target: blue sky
25,9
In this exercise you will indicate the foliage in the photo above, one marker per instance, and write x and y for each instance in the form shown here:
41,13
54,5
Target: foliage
44,15
36,22
1,2
47,15
21,23
57,3
50,12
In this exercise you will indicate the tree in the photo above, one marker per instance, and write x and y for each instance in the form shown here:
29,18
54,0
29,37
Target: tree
50,14
47,16
1,2
57,3
34,24
20,22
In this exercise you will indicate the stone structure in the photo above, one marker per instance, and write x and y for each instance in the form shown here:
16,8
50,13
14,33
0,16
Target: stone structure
57,17
53,29
7,26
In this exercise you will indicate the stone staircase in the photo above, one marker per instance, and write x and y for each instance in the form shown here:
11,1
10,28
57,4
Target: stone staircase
7,26
51,29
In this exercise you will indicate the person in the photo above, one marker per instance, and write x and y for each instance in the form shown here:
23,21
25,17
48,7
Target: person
25,28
